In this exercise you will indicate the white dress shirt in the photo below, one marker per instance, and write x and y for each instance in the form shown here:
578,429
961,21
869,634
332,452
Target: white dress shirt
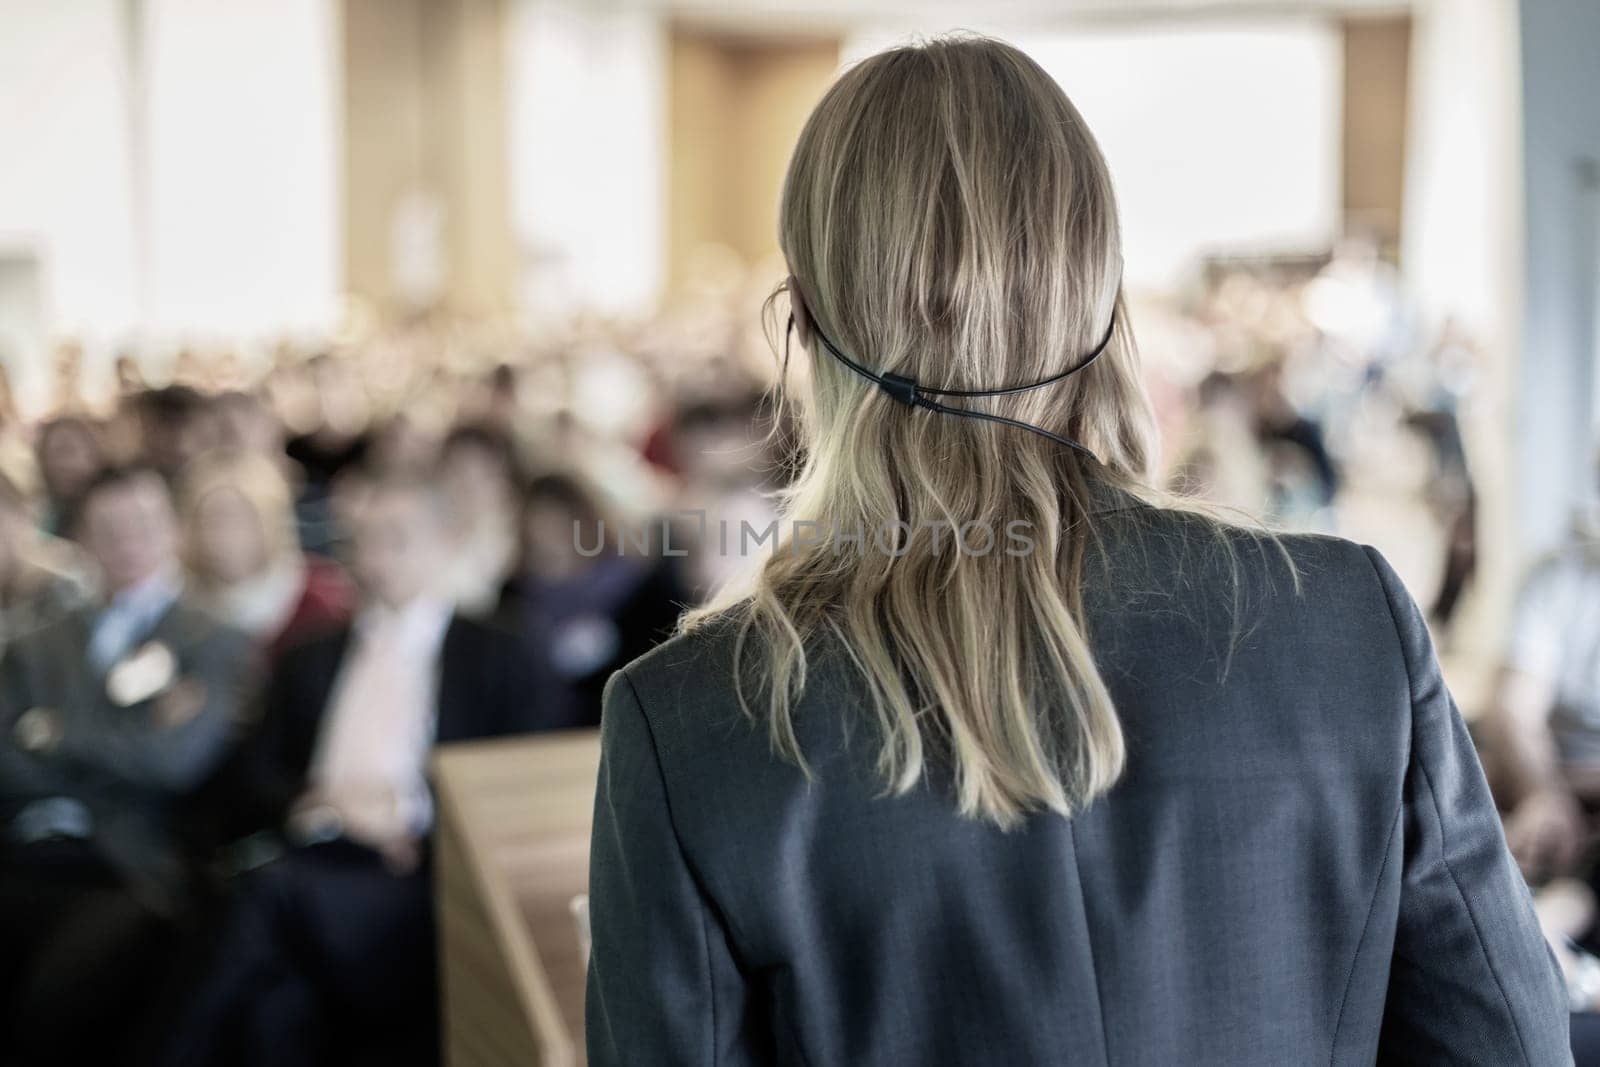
371,758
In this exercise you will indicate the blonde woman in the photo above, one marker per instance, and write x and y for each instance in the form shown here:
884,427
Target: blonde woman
1015,766
244,558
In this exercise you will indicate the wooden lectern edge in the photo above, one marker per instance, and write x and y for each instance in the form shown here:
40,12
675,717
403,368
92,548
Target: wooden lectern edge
526,969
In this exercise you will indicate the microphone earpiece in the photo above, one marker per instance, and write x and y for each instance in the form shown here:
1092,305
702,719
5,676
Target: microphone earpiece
909,393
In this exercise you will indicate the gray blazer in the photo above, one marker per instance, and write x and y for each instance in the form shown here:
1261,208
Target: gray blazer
126,766
1302,864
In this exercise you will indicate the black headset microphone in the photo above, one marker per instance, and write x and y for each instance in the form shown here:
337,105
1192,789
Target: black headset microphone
909,392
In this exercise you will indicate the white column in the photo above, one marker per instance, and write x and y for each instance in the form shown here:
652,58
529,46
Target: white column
1461,258
587,145
242,118
65,231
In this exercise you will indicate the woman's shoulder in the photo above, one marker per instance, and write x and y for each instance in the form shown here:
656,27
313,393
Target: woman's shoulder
1205,573
695,656
701,685
680,703
1137,551
1191,541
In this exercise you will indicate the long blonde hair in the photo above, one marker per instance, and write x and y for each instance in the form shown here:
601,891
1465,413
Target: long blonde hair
947,216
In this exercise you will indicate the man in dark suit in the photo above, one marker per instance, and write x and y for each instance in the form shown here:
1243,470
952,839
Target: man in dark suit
328,952
108,715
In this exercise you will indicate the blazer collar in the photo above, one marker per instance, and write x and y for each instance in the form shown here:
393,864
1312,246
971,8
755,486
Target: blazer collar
1105,498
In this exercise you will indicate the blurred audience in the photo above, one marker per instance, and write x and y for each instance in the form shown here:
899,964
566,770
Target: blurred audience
176,424
245,558
586,592
40,578
242,422
1544,726
108,715
331,942
70,455
478,470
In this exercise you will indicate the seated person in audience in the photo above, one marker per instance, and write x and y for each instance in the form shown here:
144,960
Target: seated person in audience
175,426
329,951
478,469
70,454
1543,732
245,559
585,593
244,423
108,715
39,577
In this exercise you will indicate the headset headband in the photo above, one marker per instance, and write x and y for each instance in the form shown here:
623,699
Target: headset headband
914,395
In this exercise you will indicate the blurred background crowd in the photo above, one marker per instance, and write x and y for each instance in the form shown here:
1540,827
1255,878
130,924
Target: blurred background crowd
323,321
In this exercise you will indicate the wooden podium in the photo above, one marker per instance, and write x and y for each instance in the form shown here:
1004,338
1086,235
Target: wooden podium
512,852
